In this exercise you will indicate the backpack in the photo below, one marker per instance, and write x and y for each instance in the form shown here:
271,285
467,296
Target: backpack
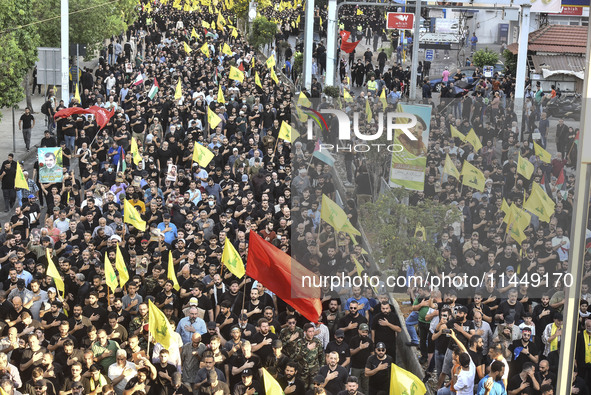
45,107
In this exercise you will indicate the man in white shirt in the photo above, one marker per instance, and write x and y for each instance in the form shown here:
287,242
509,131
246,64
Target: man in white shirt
121,371
561,244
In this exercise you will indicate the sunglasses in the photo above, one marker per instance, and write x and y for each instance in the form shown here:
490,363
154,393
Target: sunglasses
381,349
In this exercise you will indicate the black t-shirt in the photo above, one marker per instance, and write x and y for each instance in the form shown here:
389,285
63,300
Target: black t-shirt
164,385
516,311
358,360
265,351
27,120
337,384
149,385
467,325
343,349
518,358
380,380
383,333
478,360
515,382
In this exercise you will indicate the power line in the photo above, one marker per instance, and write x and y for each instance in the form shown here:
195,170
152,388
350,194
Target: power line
57,17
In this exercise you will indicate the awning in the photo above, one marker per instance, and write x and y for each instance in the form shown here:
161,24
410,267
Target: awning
549,65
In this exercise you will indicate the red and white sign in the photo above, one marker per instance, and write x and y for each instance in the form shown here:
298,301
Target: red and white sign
568,10
400,20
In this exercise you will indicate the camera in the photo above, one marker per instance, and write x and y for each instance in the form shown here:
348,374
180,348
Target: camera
447,331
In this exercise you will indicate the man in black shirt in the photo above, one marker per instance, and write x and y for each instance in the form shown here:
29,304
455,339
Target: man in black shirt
384,328
26,123
334,375
340,347
262,340
8,175
377,369
290,379
523,351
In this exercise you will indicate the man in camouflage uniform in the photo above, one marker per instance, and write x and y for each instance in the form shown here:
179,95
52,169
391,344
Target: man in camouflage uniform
136,327
309,354
290,336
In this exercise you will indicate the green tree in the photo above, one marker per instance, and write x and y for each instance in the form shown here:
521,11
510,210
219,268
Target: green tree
390,226
91,21
485,57
18,51
263,32
510,62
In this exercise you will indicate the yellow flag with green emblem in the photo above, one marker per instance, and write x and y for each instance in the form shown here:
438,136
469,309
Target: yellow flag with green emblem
202,155
194,34
158,325
110,276
274,76
205,25
368,112
287,133
232,260
221,98
121,267
213,119
403,382
383,98
525,167
270,62
347,96
132,217
540,203
54,273
335,216
187,48
520,220
20,181
473,139
135,152
171,275
542,153
472,177
205,49
226,50
257,80
234,33
456,133
236,74
450,168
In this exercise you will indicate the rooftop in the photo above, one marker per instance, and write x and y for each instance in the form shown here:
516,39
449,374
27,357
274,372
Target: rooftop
556,39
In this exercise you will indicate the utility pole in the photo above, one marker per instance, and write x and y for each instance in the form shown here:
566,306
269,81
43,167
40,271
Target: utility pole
572,292
308,44
521,65
331,50
65,42
415,53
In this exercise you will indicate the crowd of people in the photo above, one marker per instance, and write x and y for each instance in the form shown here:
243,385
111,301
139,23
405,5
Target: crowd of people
502,338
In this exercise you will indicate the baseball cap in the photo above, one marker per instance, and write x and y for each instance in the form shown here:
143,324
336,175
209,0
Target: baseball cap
31,196
193,302
461,309
246,372
510,269
211,325
318,379
363,327
339,333
380,345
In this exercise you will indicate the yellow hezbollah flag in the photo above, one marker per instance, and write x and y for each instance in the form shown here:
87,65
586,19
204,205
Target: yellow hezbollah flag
450,168
287,133
257,80
456,133
226,50
236,74
132,217
194,34
234,33
54,273
270,62
187,48
121,267
383,98
221,20
368,113
135,152
171,274
542,153
213,119
539,203
274,76
221,98
77,94
403,382
336,217
347,96
178,91
272,387
473,139
202,155
519,222
20,181
359,12
110,276
505,207
205,49
205,25
232,260
158,325
472,177
525,167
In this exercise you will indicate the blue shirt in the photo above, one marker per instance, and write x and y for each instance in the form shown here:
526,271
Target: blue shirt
198,324
498,387
169,235
362,301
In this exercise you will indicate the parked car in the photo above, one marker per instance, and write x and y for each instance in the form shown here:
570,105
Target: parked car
435,81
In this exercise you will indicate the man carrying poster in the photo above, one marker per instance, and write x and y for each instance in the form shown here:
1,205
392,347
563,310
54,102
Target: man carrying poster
50,165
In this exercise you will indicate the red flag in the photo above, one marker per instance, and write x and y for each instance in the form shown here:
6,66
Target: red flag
560,180
349,47
241,67
283,276
101,115
344,35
